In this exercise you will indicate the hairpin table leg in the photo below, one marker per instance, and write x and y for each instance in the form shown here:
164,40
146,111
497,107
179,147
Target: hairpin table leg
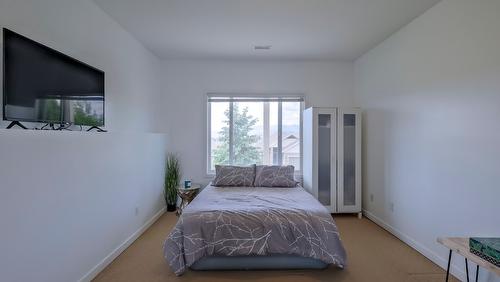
448,268
477,272
467,269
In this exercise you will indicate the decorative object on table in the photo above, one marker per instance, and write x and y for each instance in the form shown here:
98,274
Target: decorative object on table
461,245
187,195
187,183
172,178
486,248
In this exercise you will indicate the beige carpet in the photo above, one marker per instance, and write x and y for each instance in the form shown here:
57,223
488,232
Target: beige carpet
373,255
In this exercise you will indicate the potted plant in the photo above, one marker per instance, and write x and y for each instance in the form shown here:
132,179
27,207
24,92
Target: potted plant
172,178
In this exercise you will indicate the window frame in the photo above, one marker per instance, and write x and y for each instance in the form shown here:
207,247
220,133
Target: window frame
252,98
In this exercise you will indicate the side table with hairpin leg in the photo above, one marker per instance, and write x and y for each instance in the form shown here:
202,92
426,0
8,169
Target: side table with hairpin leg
186,195
460,245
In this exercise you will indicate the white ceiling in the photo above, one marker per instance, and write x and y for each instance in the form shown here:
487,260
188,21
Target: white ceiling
296,29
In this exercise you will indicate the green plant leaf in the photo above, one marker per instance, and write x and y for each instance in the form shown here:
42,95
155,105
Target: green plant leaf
172,179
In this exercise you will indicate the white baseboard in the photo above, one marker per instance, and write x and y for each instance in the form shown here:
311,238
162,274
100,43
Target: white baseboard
428,253
116,252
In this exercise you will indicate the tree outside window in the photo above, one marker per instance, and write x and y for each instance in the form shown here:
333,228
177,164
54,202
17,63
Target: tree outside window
244,150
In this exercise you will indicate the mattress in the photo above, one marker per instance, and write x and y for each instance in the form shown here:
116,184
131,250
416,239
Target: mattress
253,221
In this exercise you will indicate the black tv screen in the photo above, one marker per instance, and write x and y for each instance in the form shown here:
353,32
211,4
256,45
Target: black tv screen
43,85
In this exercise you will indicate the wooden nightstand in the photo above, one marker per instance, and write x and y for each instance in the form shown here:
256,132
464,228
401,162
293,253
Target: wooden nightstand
187,195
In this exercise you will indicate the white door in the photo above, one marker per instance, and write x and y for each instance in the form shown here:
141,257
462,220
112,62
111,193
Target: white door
325,156
349,161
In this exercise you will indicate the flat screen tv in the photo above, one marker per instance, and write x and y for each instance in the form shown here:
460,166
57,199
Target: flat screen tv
41,84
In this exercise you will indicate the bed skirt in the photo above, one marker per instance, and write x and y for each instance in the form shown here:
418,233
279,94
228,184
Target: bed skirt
257,262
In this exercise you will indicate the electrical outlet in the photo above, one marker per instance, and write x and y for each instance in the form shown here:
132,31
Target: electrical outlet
371,197
391,206
136,211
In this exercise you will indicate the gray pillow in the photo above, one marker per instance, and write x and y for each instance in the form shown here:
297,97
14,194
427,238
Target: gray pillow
227,175
274,176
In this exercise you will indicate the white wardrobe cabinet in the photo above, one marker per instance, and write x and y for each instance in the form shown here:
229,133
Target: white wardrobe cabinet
332,157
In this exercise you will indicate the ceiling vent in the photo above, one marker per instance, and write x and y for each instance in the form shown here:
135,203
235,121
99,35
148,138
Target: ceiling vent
262,47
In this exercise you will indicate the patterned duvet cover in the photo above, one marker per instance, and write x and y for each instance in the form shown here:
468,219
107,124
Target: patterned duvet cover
258,221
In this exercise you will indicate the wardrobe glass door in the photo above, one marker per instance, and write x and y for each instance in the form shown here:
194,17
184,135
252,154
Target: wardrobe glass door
324,158
349,162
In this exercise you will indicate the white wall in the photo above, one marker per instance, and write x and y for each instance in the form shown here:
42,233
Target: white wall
431,97
186,84
69,199
80,29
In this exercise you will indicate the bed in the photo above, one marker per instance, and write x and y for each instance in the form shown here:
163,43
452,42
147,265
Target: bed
254,228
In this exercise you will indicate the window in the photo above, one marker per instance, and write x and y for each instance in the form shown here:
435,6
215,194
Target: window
244,130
